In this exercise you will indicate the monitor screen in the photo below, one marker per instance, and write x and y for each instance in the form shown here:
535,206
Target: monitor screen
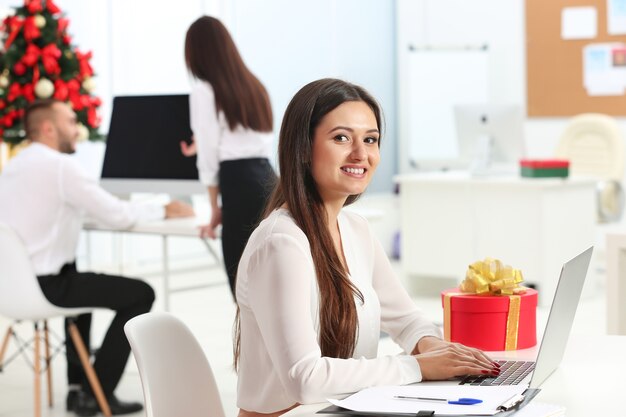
489,135
143,145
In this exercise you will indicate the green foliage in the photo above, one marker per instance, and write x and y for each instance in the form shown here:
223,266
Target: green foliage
40,49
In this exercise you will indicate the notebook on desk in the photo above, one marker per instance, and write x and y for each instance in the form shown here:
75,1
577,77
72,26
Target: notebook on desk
562,312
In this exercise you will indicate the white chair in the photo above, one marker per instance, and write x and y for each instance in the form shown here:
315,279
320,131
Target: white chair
175,375
21,299
594,145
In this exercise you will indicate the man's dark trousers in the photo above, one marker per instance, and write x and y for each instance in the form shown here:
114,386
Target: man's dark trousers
126,296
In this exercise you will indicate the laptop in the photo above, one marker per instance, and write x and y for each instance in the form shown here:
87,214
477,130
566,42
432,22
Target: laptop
533,374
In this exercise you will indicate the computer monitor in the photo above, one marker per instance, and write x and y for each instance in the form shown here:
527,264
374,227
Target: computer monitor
143,147
490,137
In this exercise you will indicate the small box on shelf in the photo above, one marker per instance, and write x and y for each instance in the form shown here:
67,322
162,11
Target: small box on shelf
544,168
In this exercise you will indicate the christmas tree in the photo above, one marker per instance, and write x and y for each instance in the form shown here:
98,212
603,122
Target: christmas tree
39,61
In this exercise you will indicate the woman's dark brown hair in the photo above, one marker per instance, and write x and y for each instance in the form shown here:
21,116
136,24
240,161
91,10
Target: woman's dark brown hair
296,187
211,56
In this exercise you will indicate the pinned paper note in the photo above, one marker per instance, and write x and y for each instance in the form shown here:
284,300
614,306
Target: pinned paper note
579,22
616,17
604,69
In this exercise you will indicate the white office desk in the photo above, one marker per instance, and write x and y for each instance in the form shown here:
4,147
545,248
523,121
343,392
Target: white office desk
188,227
183,227
599,359
450,220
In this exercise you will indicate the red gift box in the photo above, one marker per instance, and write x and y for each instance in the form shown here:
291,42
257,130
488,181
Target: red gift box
490,322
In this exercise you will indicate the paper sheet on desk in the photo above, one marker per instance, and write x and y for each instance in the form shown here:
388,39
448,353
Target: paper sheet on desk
381,399
541,410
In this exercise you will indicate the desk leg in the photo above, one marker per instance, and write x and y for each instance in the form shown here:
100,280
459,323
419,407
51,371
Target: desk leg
212,251
166,276
88,249
616,287
117,244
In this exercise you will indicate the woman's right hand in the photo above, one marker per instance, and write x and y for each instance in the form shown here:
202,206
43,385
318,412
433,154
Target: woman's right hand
209,230
454,360
187,149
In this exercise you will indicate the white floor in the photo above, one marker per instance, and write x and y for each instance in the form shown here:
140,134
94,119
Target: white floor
209,313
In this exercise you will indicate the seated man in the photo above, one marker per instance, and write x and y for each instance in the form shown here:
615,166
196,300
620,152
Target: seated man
45,194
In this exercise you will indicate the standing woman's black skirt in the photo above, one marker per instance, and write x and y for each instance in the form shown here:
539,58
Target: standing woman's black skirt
245,186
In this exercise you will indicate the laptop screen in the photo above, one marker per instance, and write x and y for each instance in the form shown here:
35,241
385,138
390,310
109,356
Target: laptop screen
562,312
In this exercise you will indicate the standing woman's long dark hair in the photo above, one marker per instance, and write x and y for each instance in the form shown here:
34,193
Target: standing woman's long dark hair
211,56
296,187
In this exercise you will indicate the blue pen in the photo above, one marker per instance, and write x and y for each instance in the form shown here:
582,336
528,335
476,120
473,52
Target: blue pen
460,401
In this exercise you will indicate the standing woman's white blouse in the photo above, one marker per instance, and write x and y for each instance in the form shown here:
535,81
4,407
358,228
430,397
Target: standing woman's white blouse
280,359
215,141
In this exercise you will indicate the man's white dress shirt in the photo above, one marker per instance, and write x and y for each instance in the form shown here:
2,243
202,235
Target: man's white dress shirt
44,195
215,141
281,362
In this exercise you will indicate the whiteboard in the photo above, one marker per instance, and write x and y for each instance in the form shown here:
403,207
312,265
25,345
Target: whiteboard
439,79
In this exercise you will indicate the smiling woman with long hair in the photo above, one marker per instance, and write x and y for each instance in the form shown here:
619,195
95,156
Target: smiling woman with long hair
314,286
231,120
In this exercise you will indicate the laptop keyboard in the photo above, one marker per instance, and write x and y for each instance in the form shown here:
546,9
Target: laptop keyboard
511,373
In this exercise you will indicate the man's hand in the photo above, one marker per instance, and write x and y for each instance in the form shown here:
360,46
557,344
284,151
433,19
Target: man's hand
178,209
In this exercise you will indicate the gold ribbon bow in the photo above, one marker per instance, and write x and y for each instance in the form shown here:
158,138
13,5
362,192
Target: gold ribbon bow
491,277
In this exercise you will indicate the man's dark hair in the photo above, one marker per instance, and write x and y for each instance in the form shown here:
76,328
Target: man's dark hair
37,112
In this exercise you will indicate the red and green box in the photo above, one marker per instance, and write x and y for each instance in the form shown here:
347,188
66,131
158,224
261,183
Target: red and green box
544,168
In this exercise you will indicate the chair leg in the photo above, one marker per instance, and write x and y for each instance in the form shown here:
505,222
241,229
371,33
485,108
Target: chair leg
46,338
37,366
5,344
89,371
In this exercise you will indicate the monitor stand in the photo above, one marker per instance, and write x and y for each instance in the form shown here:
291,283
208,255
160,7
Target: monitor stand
482,158
483,165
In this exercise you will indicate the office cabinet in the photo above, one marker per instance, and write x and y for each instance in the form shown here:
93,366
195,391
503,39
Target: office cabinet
450,220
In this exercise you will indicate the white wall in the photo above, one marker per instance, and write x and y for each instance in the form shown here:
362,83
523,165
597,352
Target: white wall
498,23
289,43
138,48
137,45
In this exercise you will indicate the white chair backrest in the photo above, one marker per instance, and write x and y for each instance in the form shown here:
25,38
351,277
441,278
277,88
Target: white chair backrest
21,297
175,375
594,146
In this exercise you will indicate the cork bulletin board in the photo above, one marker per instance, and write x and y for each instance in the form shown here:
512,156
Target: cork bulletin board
554,66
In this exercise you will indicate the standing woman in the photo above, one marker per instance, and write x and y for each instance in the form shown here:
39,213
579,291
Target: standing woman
231,120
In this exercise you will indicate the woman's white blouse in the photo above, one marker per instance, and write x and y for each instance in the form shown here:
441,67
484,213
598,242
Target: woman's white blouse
215,141
280,359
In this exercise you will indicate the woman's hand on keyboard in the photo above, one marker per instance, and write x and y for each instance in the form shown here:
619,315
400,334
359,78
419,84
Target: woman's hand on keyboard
439,359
